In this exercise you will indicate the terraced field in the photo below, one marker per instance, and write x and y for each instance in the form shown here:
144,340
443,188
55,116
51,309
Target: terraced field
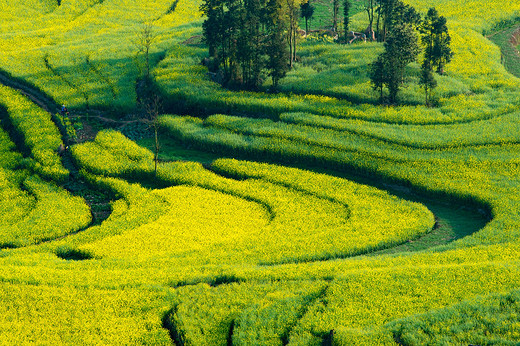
308,217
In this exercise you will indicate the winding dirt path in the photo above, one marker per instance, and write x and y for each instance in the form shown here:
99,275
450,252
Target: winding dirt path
99,207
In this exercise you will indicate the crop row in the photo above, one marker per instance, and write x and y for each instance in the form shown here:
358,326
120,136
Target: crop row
352,309
473,79
244,314
391,142
470,175
37,133
309,210
41,314
475,86
33,210
109,299
45,212
501,130
305,144
484,320
190,91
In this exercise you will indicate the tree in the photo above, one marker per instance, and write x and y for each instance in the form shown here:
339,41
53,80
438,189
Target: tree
427,31
145,87
436,40
442,52
292,9
306,11
370,8
153,109
401,48
223,32
428,82
335,11
346,17
250,52
145,39
392,13
402,44
384,12
377,75
212,28
277,48
232,23
404,14
245,39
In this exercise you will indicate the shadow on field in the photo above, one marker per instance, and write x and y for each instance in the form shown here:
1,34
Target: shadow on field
456,217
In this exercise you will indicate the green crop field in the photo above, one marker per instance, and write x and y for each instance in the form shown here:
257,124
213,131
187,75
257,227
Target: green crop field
309,216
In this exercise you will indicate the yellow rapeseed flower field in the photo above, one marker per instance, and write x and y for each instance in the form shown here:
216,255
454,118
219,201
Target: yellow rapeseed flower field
297,251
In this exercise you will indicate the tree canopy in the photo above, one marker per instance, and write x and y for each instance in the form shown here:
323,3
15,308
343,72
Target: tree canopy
248,39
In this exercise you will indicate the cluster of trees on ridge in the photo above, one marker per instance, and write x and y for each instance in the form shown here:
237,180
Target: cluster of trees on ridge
246,38
402,47
249,39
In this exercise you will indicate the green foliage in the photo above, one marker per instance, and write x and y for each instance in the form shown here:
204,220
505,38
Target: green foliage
393,13
55,213
436,39
427,81
36,132
246,39
346,16
306,12
212,316
487,320
277,44
401,48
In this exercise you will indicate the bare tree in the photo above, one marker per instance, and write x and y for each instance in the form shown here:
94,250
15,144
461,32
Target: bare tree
306,11
335,11
370,7
293,13
153,109
145,40
346,17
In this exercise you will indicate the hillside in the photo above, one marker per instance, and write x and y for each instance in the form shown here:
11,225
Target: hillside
311,216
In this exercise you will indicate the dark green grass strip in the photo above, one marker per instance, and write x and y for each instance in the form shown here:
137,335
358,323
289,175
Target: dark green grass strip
451,224
455,219
174,151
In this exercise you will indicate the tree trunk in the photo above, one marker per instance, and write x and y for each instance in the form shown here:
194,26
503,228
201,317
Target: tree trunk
156,154
295,32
